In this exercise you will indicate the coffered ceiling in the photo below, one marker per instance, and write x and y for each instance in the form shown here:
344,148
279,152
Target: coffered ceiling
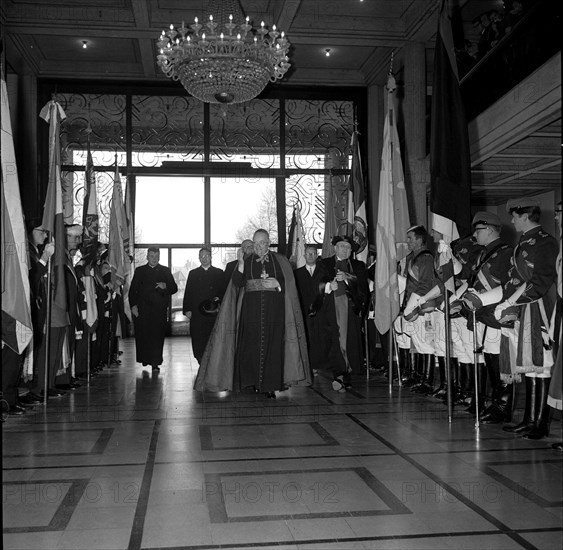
120,35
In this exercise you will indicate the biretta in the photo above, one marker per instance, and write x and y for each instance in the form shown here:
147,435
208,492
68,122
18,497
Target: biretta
523,202
486,218
347,239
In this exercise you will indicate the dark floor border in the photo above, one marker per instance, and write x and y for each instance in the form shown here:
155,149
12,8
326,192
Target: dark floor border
517,488
206,438
344,540
137,528
218,511
502,527
63,513
98,448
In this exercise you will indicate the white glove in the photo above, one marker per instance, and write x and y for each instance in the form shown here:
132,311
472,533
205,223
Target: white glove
444,247
499,310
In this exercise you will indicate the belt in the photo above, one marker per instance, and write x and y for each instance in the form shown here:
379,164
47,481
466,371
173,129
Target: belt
269,285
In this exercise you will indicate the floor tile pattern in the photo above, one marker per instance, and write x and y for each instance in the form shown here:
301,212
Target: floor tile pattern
137,460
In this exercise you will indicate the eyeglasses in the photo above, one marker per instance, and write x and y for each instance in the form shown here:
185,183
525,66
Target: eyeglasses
479,229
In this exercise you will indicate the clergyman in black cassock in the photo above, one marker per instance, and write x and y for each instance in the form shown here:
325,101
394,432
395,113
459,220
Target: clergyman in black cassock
258,340
311,280
204,283
149,295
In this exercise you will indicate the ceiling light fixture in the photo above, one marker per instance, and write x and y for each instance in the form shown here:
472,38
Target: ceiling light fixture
327,52
84,44
226,60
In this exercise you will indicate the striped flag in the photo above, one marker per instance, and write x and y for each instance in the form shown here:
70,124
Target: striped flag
450,168
130,252
296,240
357,219
90,217
118,233
53,220
392,221
17,330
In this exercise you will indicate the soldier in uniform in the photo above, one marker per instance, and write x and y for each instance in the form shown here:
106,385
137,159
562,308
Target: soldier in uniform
529,295
490,274
421,278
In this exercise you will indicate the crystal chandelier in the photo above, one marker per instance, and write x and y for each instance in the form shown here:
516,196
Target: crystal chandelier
226,60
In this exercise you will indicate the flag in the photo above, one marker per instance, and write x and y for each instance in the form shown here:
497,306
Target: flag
296,240
130,250
17,329
392,221
357,203
450,169
53,220
118,233
90,217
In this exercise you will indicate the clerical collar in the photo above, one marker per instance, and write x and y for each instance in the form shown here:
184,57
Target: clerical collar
205,268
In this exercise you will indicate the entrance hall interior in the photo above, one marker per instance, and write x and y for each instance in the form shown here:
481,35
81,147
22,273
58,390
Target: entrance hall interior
138,460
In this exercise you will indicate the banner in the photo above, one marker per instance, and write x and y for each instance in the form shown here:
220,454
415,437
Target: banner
357,218
392,221
17,329
90,217
53,220
296,240
450,168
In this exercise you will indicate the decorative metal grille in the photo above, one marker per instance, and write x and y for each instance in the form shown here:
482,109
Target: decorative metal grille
246,132
166,128
317,137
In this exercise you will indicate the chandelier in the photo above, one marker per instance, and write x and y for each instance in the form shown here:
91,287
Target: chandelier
226,60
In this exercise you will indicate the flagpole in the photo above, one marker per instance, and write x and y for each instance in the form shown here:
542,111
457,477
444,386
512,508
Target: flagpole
397,356
390,358
366,341
476,369
448,353
48,326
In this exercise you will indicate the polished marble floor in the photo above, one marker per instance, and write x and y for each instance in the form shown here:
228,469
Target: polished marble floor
137,460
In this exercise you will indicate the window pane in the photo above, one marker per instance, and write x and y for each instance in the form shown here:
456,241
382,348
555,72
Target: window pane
241,206
169,210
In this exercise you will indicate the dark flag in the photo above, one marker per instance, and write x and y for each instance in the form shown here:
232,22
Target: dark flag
296,240
450,170
357,202
90,218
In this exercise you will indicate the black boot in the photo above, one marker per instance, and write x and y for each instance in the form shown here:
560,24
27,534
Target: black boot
493,372
454,380
501,410
541,429
426,363
406,367
430,375
465,383
441,391
529,420
482,375
417,368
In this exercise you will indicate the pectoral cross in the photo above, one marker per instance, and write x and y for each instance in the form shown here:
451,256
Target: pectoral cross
263,275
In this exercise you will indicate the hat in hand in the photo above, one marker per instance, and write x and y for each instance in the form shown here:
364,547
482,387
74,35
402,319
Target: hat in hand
210,307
